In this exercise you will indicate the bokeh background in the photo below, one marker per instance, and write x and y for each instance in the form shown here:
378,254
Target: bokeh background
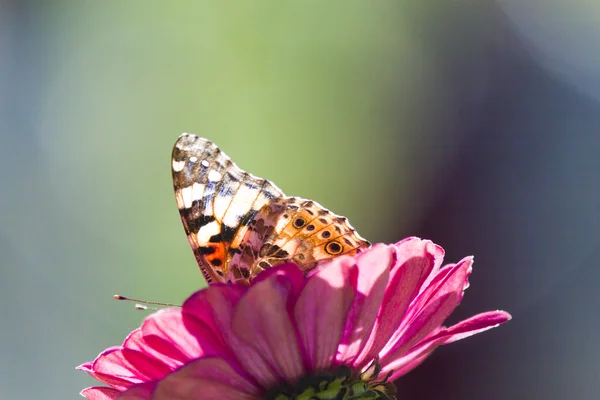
474,123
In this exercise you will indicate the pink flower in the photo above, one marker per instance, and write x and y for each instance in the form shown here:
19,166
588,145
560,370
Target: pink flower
353,325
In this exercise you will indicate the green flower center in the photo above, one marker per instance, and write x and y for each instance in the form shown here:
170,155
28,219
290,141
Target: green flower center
340,384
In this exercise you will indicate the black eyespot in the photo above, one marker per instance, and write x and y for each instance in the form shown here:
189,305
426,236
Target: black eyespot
216,262
333,248
299,223
326,234
310,228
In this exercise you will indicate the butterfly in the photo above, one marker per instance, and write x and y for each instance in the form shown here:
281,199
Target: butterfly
239,224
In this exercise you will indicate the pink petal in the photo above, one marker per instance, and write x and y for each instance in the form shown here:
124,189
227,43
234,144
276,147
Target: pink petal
111,380
156,347
402,362
431,307
213,308
99,393
207,379
120,382
373,268
291,271
402,365
128,363
415,259
473,325
142,391
171,334
321,310
220,299
416,248
262,321
445,276
409,365
202,308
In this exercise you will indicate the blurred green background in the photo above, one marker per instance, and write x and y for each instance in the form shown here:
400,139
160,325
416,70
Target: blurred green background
473,123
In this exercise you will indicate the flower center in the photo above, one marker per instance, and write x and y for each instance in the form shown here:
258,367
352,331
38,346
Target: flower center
339,384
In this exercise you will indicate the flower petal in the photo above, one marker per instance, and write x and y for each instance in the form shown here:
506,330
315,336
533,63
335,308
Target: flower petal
407,361
111,380
414,262
100,393
415,248
472,326
202,307
291,271
262,321
223,300
155,346
207,379
130,364
321,309
431,307
373,272
213,308
163,334
143,391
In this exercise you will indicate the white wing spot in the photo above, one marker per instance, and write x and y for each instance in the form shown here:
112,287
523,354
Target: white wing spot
186,196
178,165
214,175
240,205
193,158
207,231
197,191
204,163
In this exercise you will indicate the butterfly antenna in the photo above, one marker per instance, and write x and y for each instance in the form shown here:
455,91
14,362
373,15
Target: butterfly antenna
142,303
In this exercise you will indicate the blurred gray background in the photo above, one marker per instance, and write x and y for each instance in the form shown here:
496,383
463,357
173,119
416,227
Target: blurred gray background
472,123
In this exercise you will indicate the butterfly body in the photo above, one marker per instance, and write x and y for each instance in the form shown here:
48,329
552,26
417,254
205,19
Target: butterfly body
239,225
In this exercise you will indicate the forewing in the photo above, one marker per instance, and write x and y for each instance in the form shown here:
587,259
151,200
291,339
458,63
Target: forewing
217,201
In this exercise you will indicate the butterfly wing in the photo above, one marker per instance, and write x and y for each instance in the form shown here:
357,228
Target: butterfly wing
217,202
239,224
302,231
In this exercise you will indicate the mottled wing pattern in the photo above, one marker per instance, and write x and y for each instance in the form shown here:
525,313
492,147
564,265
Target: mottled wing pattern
216,200
303,232
239,224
